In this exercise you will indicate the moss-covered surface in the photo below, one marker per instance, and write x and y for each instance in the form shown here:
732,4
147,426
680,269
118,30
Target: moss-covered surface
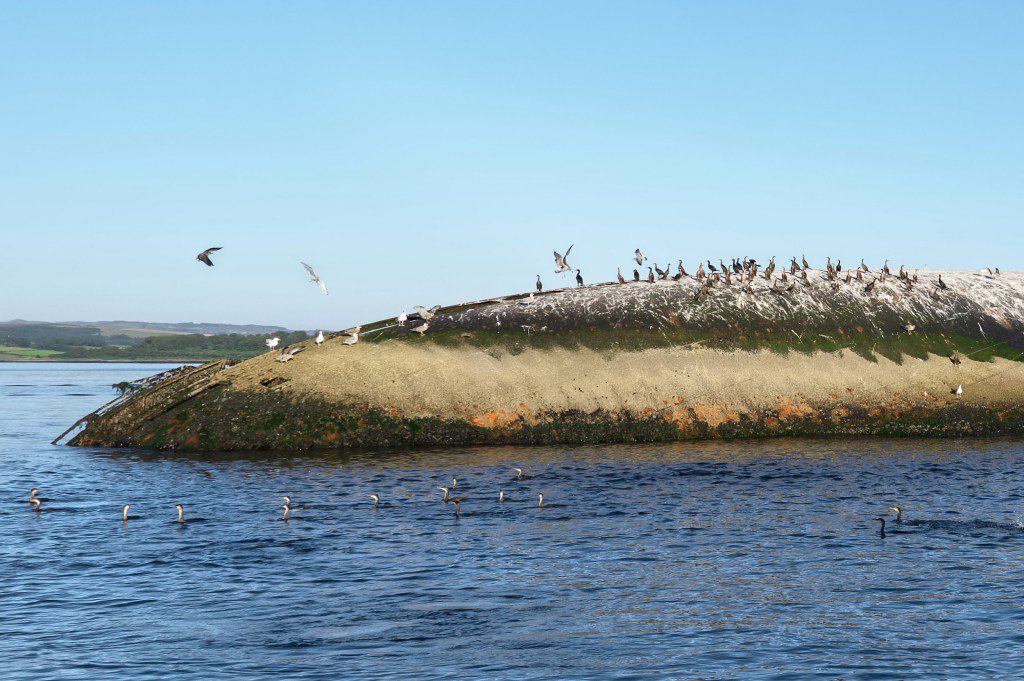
229,420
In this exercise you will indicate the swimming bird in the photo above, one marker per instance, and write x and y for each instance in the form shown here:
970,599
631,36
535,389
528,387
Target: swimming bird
579,279
458,504
446,497
501,496
540,286
33,496
204,257
319,338
181,516
562,261
402,318
36,504
287,511
519,473
314,279
455,483
881,529
618,275
899,514
639,257
422,328
376,500
272,342
289,504
124,514
540,500
958,391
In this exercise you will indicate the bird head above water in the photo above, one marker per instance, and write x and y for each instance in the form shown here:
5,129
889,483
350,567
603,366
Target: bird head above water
376,499
181,512
540,500
124,511
899,513
287,500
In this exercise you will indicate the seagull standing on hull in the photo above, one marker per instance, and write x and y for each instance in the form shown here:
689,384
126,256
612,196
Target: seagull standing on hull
562,261
204,257
313,278
319,338
272,342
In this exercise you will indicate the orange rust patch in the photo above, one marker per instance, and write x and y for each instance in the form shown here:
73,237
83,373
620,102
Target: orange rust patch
795,410
499,418
714,415
191,441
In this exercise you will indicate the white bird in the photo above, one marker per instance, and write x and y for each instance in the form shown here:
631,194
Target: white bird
447,494
272,342
402,318
958,391
540,500
639,257
319,338
313,278
501,496
519,473
376,499
422,328
423,312
353,336
562,261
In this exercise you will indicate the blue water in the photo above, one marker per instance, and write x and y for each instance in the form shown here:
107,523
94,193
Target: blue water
713,560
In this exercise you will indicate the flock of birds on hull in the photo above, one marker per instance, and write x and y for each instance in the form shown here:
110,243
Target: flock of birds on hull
449,496
741,270
745,270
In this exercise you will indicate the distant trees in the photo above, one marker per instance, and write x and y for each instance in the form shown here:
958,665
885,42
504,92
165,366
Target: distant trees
187,346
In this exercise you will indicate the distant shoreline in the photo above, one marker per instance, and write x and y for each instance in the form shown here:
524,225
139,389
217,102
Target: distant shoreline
41,360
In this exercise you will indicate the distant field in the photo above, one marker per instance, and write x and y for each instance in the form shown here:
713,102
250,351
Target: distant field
27,353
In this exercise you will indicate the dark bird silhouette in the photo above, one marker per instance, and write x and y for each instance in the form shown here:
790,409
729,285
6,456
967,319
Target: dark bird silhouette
881,529
803,258
204,257
650,275
711,268
540,286
579,279
941,284
870,287
636,276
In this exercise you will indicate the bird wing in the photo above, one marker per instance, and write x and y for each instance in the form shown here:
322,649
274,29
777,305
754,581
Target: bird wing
311,271
204,258
212,249
322,285
559,260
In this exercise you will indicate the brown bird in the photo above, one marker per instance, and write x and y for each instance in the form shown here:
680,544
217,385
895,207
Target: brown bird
204,257
618,275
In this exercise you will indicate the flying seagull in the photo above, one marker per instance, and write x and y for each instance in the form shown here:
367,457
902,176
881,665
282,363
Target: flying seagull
639,257
204,257
314,279
562,262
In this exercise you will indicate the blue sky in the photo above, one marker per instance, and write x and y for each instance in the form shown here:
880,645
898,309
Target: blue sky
421,153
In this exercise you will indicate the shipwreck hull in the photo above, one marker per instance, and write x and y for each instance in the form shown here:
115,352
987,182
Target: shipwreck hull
632,363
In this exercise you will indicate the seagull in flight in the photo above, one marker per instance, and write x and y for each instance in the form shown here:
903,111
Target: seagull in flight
204,257
314,279
561,261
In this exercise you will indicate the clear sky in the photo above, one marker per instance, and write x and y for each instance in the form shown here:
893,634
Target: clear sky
433,152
